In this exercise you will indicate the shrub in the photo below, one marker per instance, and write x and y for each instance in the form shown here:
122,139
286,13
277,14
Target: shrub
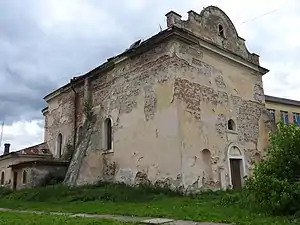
5,191
274,186
52,179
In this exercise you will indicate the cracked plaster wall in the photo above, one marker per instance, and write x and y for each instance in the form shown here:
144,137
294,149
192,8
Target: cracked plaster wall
165,111
8,172
211,90
167,105
138,96
60,118
36,175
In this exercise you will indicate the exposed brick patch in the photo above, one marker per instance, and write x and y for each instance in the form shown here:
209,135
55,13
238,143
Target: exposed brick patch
221,124
193,94
220,82
150,103
204,68
141,178
191,50
249,113
109,170
258,92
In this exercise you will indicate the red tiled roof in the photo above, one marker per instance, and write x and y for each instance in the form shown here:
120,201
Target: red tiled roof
40,149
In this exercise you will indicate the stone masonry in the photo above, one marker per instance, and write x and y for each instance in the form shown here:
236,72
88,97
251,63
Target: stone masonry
186,105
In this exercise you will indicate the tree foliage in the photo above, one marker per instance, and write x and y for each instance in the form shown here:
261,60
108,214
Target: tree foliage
274,186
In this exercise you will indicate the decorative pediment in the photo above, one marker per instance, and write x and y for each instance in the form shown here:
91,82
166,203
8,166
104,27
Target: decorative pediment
213,25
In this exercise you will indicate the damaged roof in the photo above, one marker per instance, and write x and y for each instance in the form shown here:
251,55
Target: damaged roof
41,162
41,149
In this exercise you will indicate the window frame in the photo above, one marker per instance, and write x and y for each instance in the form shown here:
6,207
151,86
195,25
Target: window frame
296,118
272,113
285,116
108,144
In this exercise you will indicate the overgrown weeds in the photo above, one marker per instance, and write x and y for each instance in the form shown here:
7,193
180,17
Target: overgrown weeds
107,192
144,201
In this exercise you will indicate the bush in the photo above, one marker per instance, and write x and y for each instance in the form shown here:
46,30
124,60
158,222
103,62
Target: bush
5,191
52,179
274,186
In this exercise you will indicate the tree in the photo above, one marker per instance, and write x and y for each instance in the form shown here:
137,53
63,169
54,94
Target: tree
274,186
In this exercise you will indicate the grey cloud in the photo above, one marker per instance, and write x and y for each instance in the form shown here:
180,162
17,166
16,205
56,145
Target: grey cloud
37,58
35,61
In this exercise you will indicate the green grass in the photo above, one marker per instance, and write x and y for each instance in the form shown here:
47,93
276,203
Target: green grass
146,202
12,218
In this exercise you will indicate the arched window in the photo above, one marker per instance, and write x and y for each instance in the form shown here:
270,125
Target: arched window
231,125
2,178
108,134
80,129
24,177
59,144
207,168
221,30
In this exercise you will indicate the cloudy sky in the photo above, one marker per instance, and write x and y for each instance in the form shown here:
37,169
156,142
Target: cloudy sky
45,43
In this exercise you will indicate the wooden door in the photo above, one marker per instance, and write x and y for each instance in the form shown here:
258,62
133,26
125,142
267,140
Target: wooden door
235,165
15,180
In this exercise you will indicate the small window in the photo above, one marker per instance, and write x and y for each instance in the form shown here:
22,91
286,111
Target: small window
231,125
2,178
24,178
296,118
272,113
108,133
285,117
221,30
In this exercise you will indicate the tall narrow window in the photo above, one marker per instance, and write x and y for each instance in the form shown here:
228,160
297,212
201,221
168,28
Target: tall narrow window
296,118
272,113
59,145
2,178
284,117
24,177
221,30
108,133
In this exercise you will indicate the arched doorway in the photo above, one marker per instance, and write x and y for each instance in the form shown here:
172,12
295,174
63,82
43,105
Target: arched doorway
236,163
